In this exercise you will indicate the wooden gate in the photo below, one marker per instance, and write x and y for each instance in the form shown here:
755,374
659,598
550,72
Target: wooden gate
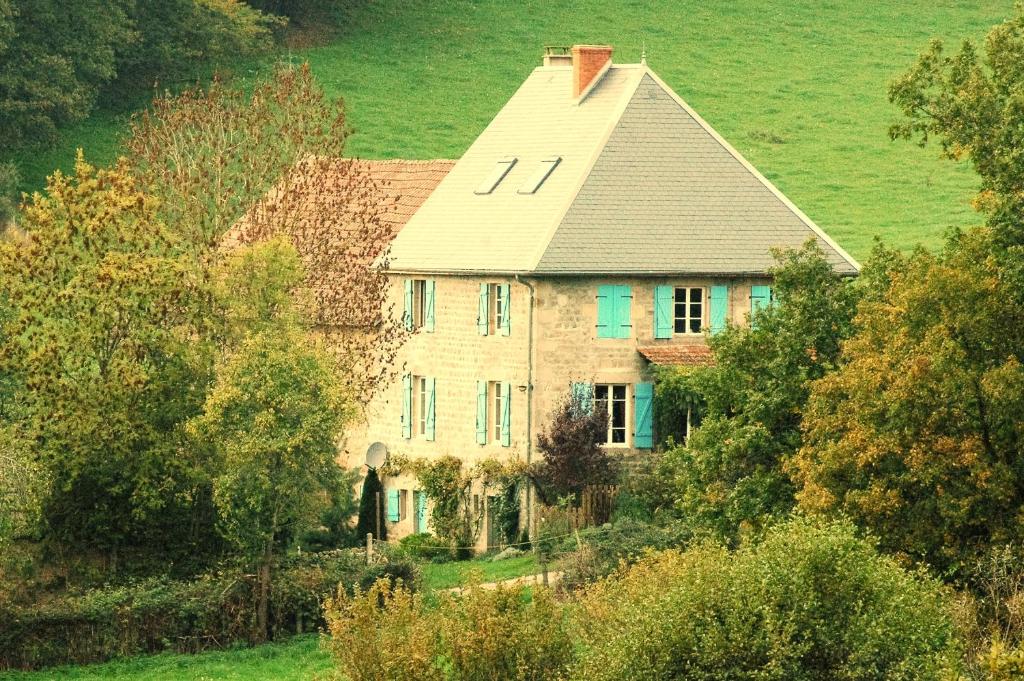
595,508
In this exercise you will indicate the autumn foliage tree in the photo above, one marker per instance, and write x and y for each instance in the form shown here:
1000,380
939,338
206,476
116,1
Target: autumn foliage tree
918,434
101,346
235,167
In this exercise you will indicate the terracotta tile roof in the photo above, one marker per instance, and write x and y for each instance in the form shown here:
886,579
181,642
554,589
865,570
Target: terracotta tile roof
404,185
397,187
682,355
340,215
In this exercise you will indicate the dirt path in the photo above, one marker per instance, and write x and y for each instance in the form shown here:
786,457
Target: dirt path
538,578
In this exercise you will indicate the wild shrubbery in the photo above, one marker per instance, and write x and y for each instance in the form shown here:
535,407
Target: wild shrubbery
214,610
389,633
808,601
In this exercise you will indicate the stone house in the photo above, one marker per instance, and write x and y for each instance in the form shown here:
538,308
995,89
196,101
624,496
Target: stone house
597,225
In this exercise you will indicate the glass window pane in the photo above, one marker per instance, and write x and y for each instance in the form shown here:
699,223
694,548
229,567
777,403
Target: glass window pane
695,325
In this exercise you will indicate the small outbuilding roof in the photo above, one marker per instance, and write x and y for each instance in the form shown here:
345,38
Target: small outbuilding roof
677,355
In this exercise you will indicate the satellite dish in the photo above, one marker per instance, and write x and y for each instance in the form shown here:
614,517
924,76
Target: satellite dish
376,455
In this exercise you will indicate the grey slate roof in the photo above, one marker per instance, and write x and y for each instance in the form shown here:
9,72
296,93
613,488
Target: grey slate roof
645,186
666,196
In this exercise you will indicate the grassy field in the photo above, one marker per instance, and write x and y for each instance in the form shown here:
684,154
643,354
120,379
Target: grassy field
446,575
798,86
298,658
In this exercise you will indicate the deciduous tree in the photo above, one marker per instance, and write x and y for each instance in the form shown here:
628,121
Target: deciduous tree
268,163
573,455
273,418
101,347
729,475
917,435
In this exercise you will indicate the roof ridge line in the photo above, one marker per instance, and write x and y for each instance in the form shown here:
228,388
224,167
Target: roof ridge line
752,170
620,109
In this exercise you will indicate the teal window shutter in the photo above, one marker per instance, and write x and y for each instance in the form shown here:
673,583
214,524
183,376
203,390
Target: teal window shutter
623,304
407,314
760,297
643,398
481,412
719,307
506,301
663,317
606,311
583,395
483,309
393,511
506,416
407,406
428,305
431,410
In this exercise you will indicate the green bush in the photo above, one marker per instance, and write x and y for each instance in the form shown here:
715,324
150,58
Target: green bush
398,569
807,602
603,549
212,611
425,547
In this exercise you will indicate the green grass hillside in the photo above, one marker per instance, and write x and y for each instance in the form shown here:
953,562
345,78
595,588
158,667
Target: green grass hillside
798,86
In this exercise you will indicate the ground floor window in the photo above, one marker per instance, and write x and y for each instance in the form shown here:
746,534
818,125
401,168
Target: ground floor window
612,398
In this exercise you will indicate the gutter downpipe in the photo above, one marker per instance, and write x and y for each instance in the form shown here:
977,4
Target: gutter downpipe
529,401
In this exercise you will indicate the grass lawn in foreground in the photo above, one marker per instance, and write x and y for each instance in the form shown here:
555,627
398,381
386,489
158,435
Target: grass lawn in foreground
291,660
798,86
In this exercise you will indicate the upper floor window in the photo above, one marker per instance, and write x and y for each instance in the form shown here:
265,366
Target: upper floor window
500,170
612,398
419,304
689,309
493,312
420,404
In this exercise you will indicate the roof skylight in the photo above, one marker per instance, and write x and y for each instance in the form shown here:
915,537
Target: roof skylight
537,179
497,175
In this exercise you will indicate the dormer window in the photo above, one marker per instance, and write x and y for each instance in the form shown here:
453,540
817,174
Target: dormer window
537,179
497,175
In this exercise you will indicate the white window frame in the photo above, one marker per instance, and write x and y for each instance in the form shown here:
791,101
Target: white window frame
419,406
419,302
687,318
627,413
403,505
537,179
498,173
497,309
495,411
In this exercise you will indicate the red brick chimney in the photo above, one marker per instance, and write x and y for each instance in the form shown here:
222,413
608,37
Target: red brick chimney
588,61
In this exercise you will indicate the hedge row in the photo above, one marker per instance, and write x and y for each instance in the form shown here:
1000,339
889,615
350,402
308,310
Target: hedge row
212,611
